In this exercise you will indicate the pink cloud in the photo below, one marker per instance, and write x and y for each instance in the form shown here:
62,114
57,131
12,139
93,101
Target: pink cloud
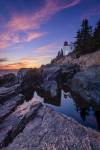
46,47
27,23
33,35
9,38
34,21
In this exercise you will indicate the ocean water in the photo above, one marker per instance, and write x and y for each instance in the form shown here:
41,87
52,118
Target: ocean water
3,72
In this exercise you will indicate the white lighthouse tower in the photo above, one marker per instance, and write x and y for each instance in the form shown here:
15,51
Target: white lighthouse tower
65,48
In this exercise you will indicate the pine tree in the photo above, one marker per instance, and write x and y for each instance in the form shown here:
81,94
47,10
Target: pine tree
84,43
97,37
60,54
78,44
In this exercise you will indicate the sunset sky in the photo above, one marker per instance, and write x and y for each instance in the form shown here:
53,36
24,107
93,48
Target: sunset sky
32,31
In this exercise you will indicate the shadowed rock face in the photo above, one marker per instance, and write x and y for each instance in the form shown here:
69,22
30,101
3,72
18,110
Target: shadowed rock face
87,84
44,129
28,77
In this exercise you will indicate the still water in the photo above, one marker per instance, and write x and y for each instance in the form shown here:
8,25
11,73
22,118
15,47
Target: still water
85,114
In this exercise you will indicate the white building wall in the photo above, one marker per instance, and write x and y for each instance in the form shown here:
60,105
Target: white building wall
66,50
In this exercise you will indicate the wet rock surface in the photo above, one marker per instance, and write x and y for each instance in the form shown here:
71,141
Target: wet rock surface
49,130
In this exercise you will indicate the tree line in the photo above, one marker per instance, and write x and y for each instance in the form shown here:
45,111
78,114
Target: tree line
87,39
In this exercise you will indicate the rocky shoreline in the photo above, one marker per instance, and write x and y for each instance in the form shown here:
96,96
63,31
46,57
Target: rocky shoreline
30,125
35,126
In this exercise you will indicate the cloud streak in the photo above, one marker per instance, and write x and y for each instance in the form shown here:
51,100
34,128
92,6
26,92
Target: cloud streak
36,19
10,38
46,47
26,63
26,23
3,60
34,35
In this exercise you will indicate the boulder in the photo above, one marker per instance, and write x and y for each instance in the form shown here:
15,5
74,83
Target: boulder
51,72
28,77
86,84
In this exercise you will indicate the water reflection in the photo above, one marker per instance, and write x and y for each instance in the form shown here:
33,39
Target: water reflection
81,111
49,100
84,113
97,115
28,93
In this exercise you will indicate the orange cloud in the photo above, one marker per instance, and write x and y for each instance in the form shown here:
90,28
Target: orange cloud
12,66
26,63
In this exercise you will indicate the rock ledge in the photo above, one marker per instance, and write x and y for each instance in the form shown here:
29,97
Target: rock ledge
49,130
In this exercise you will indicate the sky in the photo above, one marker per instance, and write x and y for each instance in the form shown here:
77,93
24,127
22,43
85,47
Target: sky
33,31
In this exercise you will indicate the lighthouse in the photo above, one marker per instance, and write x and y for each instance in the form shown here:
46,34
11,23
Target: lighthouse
65,48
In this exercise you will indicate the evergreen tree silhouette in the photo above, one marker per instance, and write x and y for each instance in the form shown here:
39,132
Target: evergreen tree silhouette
84,39
97,36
